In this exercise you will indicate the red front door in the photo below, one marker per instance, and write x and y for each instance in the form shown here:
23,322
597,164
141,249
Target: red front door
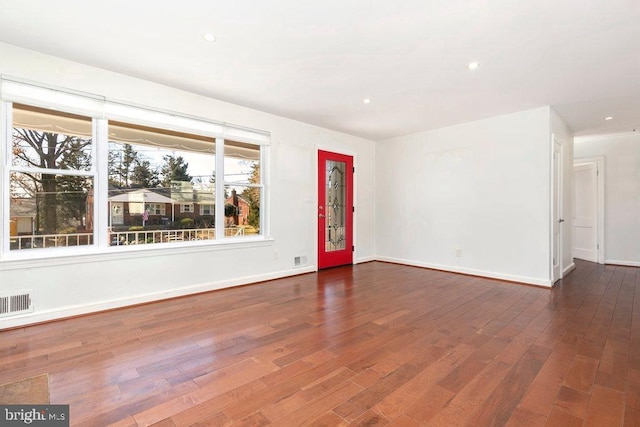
335,209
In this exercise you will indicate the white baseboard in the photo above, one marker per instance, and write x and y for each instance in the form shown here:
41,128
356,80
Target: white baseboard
625,263
568,269
482,273
365,259
71,311
78,310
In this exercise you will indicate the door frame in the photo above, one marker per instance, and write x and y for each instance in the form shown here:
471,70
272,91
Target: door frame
599,161
320,147
556,180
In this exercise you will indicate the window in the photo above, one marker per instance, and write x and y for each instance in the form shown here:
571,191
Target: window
155,209
207,210
157,174
146,177
51,179
243,188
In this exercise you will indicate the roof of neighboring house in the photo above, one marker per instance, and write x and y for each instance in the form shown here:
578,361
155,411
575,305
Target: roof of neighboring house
141,195
205,198
230,199
163,195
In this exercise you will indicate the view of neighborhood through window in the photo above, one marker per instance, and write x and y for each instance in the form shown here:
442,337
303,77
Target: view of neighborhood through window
242,190
161,184
157,181
50,179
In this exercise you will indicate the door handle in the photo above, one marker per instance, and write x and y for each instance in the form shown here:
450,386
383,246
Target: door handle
321,216
561,220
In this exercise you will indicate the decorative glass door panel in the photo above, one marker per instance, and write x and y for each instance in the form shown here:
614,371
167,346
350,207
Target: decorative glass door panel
335,206
335,209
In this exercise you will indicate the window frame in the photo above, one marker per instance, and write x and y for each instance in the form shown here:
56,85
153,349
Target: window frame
155,208
101,111
211,209
6,155
263,224
185,205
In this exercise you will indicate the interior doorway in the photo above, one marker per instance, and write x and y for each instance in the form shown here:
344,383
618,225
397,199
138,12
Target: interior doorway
588,220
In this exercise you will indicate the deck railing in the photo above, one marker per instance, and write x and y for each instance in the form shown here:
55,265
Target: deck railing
120,238
164,236
50,240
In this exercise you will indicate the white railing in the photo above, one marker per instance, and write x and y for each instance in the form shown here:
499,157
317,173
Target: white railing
50,240
142,237
120,238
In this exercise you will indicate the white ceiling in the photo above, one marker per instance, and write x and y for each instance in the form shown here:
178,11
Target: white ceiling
315,61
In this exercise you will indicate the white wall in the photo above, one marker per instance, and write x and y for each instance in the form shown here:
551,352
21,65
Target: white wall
481,187
64,286
622,193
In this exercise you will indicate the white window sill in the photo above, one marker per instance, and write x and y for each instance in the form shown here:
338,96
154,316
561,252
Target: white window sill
28,258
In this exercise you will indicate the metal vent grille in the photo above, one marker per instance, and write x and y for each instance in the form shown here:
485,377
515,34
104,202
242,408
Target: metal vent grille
299,261
15,303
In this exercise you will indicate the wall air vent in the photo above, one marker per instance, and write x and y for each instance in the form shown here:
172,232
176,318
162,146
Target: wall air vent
14,303
299,261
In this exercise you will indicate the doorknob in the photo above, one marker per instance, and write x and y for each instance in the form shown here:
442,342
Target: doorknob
561,220
321,216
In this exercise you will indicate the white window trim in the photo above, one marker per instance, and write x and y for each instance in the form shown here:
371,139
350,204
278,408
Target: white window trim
219,207
5,138
101,192
101,110
185,205
8,168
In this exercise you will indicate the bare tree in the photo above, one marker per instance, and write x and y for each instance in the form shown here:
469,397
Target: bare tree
45,150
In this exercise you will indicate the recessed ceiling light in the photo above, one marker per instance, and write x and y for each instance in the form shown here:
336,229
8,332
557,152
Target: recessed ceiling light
367,100
209,37
473,65
608,118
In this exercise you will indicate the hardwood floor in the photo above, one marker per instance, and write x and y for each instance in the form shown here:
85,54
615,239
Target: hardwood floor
373,344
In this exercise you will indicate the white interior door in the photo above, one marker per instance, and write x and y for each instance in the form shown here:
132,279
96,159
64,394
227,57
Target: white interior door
556,212
585,221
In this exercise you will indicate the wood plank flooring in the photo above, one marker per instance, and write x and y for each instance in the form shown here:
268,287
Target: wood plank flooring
373,344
